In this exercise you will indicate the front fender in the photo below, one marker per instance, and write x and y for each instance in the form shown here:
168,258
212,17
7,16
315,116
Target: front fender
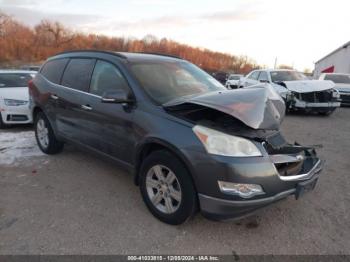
148,142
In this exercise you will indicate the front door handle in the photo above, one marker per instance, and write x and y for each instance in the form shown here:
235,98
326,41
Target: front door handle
55,97
86,107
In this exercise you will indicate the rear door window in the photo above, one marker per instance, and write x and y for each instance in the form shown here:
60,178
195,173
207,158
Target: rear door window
107,77
78,73
53,70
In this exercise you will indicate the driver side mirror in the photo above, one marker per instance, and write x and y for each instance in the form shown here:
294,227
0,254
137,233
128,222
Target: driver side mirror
116,97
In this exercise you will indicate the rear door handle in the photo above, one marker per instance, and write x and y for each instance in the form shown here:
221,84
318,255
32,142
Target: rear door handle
55,97
86,107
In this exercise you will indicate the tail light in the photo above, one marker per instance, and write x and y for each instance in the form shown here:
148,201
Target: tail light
31,86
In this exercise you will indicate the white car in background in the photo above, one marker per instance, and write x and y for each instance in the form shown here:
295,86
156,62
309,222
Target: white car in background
14,97
342,85
298,92
233,81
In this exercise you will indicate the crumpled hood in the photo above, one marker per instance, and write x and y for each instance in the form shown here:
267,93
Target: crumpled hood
343,88
306,86
259,107
19,93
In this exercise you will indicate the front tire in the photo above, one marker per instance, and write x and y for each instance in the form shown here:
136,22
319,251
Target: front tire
167,189
45,136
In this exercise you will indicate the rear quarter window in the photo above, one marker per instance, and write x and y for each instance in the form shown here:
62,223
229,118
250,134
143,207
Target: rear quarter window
78,73
254,75
53,70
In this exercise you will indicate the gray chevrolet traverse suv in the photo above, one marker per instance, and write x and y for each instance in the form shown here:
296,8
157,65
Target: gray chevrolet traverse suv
190,143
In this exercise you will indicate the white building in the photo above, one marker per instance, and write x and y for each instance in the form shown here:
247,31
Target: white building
337,61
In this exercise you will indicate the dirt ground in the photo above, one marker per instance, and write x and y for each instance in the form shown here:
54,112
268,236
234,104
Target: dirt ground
75,203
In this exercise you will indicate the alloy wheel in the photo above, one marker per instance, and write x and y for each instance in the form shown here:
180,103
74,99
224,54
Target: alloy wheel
42,133
163,189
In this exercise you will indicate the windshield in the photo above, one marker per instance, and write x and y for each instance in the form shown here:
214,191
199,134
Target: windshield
280,76
235,77
166,81
14,80
339,79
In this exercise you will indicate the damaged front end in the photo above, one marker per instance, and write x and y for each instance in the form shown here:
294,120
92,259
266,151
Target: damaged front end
294,162
257,108
311,96
281,169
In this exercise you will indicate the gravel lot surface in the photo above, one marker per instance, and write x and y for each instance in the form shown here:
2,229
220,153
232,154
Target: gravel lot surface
75,203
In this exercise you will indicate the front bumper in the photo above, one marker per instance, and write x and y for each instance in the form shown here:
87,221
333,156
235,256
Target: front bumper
308,105
16,114
345,98
221,209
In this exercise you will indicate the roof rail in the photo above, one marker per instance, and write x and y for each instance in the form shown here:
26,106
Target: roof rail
92,50
160,54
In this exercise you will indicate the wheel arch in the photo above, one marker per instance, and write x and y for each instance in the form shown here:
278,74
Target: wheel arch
154,144
36,110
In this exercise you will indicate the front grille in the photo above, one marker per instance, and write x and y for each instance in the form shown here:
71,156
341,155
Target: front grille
316,97
290,169
345,98
17,118
278,149
288,160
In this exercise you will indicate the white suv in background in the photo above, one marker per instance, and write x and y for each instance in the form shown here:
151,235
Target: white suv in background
233,81
14,97
342,85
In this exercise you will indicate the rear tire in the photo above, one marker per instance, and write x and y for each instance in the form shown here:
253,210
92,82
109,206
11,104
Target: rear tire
45,136
171,202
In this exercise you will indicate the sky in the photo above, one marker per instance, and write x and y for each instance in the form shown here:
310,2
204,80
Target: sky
297,32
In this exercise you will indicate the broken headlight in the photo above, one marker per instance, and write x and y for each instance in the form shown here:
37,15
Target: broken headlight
335,94
290,96
218,143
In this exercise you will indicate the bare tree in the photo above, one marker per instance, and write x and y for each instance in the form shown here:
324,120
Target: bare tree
4,20
53,33
23,43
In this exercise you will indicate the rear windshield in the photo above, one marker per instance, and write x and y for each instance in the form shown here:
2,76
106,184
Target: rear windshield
339,79
14,79
166,81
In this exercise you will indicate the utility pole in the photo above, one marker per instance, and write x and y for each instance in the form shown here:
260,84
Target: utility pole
274,67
